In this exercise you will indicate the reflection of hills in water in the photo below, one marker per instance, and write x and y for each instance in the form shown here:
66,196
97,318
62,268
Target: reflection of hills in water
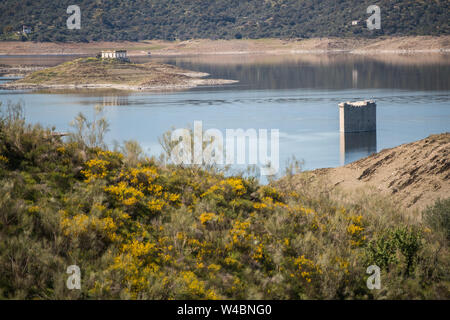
357,145
324,71
318,71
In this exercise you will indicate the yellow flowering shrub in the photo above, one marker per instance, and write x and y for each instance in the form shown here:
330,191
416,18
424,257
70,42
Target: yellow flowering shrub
236,184
306,268
33,209
342,264
172,197
196,288
258,253
259,205
138,249
137,263
270,192
141,177
100,166
206,217
214,267
3,159
96,169
240,235
127,195
155,189
356,230
82,223
232,262
156,205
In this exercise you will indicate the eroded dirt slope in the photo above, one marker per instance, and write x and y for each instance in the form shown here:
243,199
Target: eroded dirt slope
414,174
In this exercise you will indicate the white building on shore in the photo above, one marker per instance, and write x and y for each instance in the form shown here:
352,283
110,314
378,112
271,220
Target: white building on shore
115,54
26,29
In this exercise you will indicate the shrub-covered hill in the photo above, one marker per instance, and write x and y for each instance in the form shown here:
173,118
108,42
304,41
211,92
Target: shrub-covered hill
224,19
141,229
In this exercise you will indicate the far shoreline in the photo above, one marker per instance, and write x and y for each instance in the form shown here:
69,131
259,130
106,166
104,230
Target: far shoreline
266,46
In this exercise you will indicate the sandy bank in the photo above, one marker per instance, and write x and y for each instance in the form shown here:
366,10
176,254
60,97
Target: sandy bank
420,44
187,85
414,175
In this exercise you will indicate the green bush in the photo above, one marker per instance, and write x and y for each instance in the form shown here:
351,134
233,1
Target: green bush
437,217
395,246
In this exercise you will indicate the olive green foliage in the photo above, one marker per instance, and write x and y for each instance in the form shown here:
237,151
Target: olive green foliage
385,250
218,19
140,228
438,217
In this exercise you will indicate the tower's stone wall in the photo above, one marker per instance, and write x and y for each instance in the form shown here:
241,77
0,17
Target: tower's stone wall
359,116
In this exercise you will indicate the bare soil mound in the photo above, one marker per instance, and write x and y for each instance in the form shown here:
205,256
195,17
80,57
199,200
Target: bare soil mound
414,174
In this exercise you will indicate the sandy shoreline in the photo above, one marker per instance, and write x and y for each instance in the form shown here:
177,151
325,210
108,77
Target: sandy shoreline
188,85
413,174
418,44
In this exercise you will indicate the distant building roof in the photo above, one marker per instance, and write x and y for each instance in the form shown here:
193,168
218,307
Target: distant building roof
26,29
114,50
114,54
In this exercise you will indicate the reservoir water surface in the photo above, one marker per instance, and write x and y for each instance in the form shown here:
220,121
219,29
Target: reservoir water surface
297,94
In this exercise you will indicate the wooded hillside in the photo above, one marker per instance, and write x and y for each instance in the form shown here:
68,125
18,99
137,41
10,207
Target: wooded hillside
218,19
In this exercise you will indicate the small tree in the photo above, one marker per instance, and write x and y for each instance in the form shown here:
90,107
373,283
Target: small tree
90,133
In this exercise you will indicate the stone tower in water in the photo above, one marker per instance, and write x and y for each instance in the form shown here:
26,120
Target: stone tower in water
360,116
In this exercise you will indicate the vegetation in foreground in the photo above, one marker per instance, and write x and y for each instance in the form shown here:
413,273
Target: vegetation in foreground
139,228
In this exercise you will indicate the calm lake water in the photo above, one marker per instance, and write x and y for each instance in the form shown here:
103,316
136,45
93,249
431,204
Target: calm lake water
298,95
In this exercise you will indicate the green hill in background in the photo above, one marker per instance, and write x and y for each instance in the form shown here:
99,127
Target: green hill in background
218,19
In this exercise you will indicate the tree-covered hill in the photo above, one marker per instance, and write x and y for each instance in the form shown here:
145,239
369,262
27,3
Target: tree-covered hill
224,19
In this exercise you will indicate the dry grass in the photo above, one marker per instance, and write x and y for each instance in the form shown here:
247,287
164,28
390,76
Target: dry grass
92,70
412,175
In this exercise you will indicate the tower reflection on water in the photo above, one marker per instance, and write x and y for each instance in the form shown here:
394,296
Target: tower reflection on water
358,130
357,145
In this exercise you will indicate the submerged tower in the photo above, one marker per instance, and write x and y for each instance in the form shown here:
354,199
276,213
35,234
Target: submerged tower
359,116
358,125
